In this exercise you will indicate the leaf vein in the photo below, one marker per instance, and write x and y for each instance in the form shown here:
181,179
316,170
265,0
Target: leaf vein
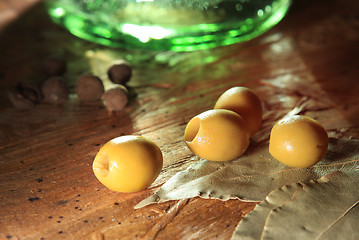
337,220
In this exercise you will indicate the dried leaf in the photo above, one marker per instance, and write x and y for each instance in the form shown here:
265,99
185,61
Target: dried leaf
326,209
251,227
251,177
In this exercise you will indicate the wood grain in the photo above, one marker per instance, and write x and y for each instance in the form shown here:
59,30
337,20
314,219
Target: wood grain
47,188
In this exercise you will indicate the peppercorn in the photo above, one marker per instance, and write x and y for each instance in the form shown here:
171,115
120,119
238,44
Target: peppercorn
19,101
120,73
89,88
54,90
29,91
115,98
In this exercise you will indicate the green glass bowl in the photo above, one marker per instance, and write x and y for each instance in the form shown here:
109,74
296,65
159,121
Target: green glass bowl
177,25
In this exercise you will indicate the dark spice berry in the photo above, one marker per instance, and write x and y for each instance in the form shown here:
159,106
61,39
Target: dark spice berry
29,91
89,88
54,90
120,73
19,101
115,98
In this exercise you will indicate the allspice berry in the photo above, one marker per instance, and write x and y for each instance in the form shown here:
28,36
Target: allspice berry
19,101
89,88
115,98
120,73
29,91
54,90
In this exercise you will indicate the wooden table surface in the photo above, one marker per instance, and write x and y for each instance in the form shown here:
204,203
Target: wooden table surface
47,187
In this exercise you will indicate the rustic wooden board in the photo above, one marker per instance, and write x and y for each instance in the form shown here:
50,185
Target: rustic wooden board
47,188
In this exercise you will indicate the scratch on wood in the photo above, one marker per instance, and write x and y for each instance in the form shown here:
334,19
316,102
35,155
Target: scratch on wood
156,210
171,214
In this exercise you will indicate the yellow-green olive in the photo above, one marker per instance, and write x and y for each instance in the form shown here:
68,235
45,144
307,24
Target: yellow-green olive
128,163
217,135
298,141
246,103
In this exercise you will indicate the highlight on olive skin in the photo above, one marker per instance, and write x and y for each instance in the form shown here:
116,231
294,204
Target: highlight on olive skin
244,102
128,163
298,141
217,135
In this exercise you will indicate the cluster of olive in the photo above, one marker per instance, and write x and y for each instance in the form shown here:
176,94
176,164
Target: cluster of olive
132,163
223,133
